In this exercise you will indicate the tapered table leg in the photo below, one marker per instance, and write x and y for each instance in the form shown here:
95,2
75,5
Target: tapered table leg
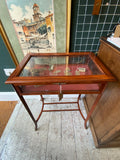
94,105
25,105
42,99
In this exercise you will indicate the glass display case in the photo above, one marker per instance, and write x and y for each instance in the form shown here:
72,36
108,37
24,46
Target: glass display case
60,73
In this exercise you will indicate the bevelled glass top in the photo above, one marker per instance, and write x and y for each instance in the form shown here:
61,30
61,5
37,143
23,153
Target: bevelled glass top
60,66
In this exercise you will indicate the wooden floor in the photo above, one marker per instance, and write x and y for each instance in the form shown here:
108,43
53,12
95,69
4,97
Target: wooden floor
60,136
6,109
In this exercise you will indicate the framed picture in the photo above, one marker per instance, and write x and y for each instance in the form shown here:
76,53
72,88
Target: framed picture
41,25
34,24
7,43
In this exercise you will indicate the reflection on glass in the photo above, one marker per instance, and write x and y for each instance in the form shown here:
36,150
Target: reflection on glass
60,66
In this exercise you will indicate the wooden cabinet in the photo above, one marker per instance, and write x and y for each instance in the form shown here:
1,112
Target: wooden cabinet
105,121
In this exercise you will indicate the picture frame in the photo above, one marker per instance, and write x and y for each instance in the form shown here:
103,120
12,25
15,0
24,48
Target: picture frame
62,25
7,43
68,26
34,25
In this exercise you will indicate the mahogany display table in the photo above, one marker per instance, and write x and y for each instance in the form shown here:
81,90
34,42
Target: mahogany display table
61,73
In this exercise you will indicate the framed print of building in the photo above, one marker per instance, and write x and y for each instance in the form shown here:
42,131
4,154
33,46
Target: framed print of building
33,21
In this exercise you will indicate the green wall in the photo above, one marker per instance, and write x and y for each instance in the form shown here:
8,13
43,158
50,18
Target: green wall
5,62
87,29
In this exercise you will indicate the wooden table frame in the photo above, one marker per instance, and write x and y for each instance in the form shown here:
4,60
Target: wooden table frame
101,80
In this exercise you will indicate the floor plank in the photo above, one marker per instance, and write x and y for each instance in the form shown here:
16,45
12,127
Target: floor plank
54,137
68,141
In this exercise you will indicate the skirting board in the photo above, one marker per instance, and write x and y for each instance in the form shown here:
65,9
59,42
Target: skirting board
12,96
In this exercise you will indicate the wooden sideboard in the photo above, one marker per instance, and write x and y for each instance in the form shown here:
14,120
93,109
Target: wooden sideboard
105,121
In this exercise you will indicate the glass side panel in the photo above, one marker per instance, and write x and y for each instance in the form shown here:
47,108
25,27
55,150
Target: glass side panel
60,66
55,88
